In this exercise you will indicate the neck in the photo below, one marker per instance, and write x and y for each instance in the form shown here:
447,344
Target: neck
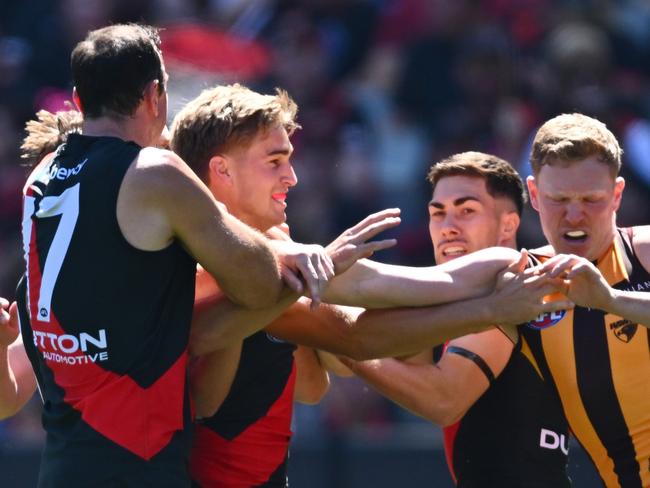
128,129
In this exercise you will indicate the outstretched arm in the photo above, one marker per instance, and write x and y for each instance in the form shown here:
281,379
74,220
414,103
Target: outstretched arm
371,284
218,322
367,334
17,382
441,392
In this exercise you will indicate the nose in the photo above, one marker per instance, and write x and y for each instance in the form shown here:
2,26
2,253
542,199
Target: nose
289,177
449,227
573,213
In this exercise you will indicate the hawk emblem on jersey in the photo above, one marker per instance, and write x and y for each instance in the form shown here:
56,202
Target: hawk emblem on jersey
623,329
546,320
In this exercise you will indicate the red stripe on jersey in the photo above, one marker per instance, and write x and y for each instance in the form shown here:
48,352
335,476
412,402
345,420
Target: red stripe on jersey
147,417
251,457
449,434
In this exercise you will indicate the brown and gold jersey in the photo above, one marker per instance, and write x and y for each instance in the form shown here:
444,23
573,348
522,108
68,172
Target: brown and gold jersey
599,364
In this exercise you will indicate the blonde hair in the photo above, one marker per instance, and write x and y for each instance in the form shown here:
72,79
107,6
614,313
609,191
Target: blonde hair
223,117
570,138
47,132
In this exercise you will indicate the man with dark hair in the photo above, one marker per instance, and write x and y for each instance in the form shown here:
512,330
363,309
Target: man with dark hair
500,420
111,223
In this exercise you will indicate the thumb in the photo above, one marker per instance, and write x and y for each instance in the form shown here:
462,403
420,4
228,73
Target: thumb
13,316
291,279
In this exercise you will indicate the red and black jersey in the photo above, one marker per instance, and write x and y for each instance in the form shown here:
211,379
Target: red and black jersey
514,436
105,326
246,442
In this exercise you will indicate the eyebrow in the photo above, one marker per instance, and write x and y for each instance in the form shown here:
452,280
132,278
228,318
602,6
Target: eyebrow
457,202
279,152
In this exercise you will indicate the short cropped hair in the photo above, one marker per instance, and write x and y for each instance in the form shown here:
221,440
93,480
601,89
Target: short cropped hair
227,116
112,66
501,179
570,138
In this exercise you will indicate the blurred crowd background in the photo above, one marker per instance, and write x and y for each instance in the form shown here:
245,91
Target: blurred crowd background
385,89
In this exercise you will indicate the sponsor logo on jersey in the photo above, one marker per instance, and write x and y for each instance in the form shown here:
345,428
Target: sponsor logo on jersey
546,320
638,286
624,330
552,440
57,173
72,349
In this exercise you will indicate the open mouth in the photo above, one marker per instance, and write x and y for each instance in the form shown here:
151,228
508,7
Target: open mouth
575,236
453,251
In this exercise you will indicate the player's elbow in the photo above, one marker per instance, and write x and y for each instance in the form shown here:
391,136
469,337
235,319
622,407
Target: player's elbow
443,412
313,392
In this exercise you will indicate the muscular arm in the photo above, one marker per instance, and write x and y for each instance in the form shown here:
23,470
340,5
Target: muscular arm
371,284
17,382
211,377
441,392
162,199
367,334
312,380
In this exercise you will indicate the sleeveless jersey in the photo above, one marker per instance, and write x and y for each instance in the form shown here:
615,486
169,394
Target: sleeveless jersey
599,364
514,436
105,326
246,442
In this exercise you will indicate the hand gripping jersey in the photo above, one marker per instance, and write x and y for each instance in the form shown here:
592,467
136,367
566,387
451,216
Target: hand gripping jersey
514,436
105,326
600,365
246,442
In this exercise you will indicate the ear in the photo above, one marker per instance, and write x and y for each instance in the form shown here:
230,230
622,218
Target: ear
509,225
220,169
152,97
619,186
76,100
532,192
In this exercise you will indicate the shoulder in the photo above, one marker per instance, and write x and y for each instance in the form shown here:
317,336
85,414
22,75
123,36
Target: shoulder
161,174
641,242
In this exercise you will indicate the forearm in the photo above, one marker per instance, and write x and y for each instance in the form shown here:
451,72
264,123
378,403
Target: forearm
418,388
218,323
8,390
312,380
631,305
17,382
371,284
405,331
211,377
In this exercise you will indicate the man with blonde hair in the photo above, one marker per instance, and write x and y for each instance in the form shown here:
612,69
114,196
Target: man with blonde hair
238,141
596,356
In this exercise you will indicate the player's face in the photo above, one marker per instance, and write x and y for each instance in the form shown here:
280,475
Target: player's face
464,217
261,176
577,206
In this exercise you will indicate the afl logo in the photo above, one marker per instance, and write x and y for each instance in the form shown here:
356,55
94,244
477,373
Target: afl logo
546,320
